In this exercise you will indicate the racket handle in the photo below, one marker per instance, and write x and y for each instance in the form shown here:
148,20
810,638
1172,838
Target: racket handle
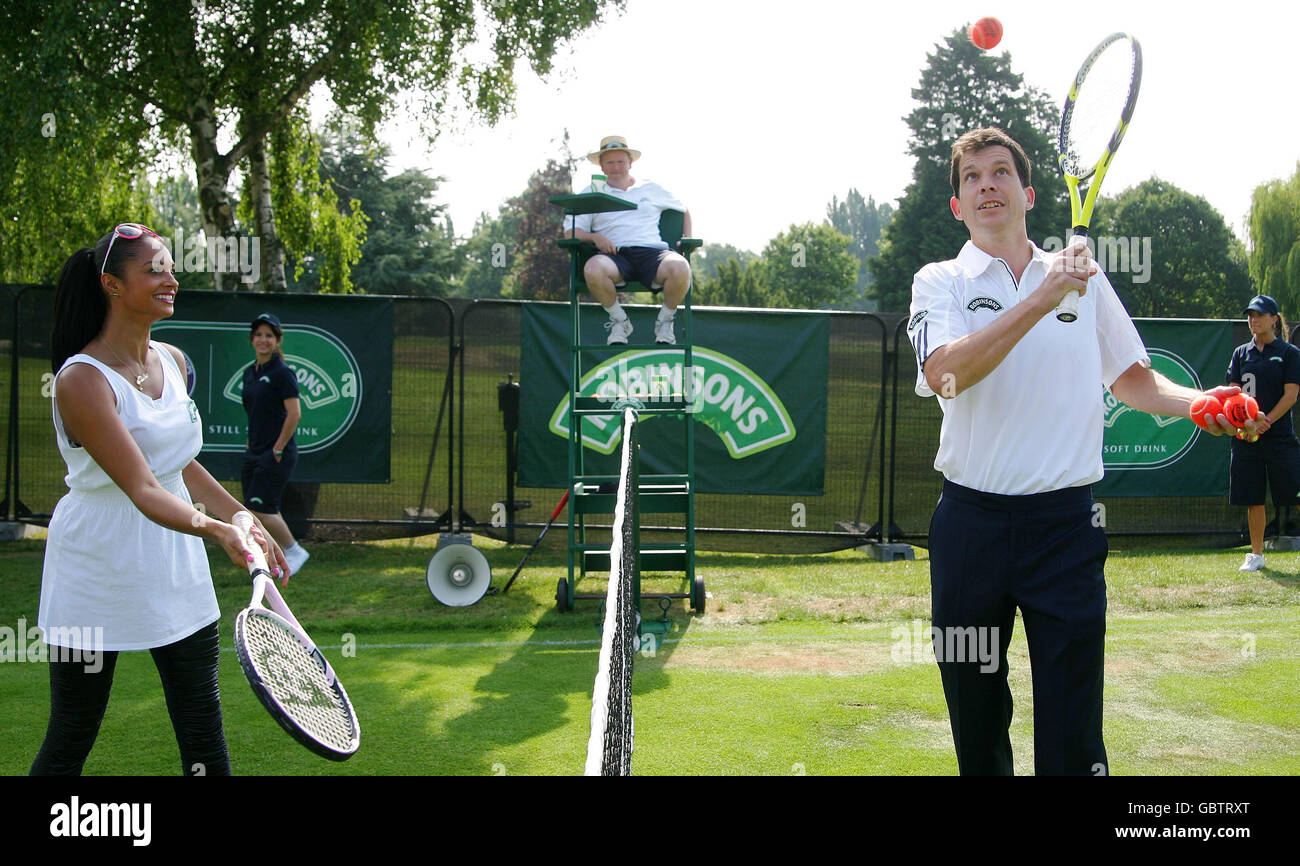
1068,309
243,521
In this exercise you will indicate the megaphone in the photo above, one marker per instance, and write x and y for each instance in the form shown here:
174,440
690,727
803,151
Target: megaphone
458,574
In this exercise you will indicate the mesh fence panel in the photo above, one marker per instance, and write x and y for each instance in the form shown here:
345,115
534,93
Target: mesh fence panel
422,339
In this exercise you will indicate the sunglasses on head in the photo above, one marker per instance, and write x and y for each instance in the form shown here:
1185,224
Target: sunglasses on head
130,231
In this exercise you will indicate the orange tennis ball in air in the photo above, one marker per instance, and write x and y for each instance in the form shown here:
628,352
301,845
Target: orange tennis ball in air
986,33
1206,404
1240,407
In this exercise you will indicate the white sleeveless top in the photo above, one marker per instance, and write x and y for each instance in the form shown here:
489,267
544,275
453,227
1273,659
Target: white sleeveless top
114,579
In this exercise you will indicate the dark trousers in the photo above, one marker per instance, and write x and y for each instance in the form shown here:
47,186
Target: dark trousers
990,554
78,699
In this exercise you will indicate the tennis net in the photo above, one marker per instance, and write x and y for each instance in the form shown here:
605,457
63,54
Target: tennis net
609,750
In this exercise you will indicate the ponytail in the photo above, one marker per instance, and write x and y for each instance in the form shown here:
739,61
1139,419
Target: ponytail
1282,330
80,307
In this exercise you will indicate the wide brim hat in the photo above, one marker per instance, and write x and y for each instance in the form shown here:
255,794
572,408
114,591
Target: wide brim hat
613,142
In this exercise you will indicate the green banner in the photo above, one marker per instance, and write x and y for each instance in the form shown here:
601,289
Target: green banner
340,350
1146,455
758,382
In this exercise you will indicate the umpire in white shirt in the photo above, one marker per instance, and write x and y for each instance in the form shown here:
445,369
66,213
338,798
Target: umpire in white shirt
1021,442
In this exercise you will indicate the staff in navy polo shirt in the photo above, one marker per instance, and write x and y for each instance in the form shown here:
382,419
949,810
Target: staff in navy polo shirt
1020,445
1267,368
271,401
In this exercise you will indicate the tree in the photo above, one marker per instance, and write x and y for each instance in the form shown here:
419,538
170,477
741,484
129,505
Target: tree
201,73
1275,240
863,221
539,268
735,283
408,246
708,260
964,88
515,254
1169,253
809,267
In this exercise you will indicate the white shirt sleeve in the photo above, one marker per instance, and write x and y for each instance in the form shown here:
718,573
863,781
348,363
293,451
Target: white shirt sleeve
1117,336
662,198
936,317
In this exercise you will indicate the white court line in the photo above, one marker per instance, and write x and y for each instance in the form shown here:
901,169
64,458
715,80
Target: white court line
794,638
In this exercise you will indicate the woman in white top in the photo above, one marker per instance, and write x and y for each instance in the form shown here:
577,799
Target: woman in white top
125,564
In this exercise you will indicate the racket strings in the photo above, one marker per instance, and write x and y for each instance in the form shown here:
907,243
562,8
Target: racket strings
297,680
1098,106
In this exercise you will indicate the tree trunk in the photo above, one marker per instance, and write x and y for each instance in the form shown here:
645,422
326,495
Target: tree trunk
271,250
212,170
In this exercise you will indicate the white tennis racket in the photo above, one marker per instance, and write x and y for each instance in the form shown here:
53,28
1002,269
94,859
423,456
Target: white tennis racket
288,673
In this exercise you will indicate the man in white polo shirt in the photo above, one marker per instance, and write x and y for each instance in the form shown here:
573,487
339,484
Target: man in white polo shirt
1021,442
629,243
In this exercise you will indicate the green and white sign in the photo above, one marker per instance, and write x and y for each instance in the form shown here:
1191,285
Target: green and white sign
757,382
730,399
1147,455
329,383
341,355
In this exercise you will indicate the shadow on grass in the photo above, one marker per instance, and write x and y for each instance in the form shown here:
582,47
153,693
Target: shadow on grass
531,693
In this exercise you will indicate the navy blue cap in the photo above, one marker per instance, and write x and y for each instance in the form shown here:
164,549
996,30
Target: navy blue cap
270,318
1263,304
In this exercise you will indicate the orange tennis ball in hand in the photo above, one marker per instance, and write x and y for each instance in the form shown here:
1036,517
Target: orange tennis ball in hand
1240,407
1206,404
986,33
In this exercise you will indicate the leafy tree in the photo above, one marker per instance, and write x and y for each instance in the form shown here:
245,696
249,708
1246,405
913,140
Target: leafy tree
1275,240
515,254
809,267
202,73
1196,267
863,221
64,181
175,199
735,283
707,261
539,268
408,246
964,88
486,256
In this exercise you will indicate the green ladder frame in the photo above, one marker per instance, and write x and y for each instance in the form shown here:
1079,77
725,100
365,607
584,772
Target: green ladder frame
656,493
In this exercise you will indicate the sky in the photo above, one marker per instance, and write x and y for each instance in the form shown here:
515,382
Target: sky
756,113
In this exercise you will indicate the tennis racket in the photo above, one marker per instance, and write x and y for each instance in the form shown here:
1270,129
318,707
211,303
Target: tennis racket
287,672
538,541
1096,116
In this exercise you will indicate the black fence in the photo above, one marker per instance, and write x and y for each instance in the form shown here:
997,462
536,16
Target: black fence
451,461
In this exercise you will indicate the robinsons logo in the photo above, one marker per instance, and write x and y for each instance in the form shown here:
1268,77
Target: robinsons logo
727,397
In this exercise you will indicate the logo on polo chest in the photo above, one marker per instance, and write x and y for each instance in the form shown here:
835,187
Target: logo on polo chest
984,304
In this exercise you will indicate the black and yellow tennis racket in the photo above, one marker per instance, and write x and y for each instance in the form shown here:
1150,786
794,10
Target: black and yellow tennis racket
1096,116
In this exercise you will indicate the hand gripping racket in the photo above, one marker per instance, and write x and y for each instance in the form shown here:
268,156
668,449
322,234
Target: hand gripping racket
287,672
1096,116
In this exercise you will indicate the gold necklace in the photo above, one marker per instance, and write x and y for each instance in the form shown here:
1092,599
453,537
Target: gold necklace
140,378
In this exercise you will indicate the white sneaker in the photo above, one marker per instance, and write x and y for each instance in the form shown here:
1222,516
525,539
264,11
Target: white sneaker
1254,562
619,331
664,332
297,557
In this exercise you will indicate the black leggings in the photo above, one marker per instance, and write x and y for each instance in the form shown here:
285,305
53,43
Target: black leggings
78,699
